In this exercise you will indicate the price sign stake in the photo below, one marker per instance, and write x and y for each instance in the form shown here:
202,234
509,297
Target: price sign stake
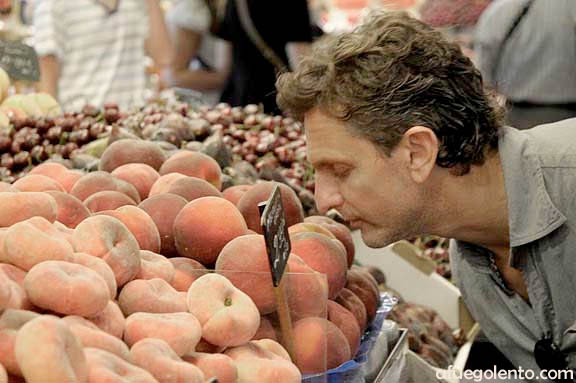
273,222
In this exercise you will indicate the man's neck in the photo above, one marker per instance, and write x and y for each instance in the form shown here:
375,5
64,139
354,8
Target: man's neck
475,206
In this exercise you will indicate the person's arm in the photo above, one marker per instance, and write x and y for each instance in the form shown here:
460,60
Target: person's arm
158,45
49,33
187,45
49,75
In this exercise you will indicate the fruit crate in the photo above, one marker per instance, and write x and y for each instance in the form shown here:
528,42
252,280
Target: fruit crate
369,354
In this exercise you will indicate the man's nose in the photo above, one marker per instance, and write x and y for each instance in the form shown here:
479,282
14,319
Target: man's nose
326,194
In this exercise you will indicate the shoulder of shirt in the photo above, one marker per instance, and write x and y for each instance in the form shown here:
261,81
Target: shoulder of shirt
555,144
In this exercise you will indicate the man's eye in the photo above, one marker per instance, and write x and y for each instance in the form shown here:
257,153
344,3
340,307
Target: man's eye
341,171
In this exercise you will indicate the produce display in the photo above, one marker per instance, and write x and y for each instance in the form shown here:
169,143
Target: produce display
428,334
104,276
247,144
435,248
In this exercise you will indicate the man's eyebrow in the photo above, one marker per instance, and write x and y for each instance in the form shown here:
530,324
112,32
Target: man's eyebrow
329,163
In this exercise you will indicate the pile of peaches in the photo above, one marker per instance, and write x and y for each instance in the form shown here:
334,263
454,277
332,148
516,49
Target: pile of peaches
146,271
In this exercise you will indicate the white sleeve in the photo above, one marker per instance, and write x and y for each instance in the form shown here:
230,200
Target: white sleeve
48,28
190,14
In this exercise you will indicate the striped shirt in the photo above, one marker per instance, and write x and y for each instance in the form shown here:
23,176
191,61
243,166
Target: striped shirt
538,63
102,55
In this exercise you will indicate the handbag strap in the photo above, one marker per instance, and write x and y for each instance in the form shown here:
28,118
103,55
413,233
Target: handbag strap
513,28
256,38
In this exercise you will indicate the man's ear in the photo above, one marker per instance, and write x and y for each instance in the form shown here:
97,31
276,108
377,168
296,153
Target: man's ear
421,148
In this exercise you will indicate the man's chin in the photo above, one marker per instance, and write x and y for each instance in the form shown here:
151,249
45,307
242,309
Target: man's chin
373,240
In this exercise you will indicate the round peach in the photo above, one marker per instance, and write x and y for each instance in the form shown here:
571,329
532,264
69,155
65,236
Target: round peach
342,233
68,179
244,261
227,315
95,182
266,330
324,256
364,289
199,230
71,211
59,173
308,227
248,204
163,183
141,176
191,188
37,183
163,209
127,151
17,207
108,238
347,323
319,345
195,164
307,289
107,200
181,331
234,193
186,271
351,302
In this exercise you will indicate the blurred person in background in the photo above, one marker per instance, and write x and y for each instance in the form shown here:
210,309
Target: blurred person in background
285,29
94,51
527,52
201,60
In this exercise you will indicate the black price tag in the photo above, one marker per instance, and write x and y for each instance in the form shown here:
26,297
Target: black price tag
273,223
20,61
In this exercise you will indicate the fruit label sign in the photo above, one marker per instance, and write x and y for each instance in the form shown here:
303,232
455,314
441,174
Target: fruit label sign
20,61
273,223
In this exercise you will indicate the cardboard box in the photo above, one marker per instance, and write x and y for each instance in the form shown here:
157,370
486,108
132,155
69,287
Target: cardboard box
415,278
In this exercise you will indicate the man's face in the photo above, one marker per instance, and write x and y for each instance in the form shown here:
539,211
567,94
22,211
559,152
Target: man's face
371,190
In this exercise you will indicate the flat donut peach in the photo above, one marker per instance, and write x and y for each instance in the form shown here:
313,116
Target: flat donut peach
48,352
66,288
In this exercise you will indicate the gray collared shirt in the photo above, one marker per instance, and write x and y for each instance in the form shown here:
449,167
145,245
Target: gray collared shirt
539,168
538,63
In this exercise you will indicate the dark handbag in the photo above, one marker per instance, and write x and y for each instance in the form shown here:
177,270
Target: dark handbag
256,38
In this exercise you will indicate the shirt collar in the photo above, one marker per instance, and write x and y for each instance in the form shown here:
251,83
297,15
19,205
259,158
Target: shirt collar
531,212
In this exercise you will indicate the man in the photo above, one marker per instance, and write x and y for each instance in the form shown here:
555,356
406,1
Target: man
406,141
527,52
94,51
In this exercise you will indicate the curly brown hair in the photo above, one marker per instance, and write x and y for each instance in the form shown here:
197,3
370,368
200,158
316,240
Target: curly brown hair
394,72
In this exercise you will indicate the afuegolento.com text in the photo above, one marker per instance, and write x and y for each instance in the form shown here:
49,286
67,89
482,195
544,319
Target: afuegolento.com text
504,375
